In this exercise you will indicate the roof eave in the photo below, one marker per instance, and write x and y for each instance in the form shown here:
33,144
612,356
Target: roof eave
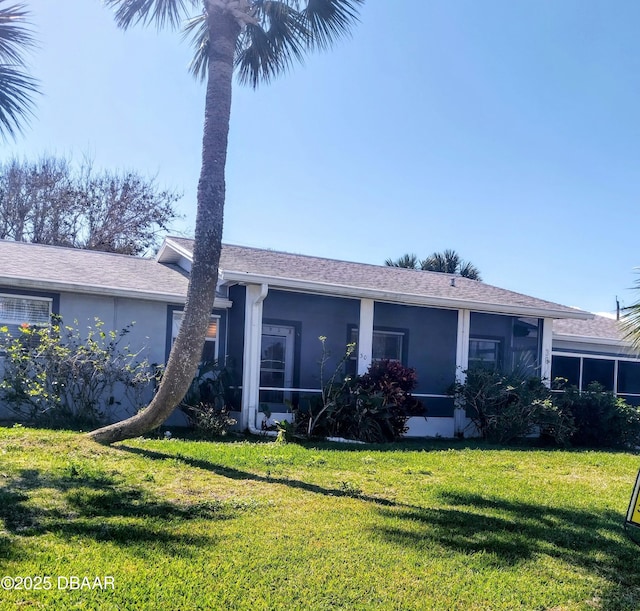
586,339
169,244
109,291
231,277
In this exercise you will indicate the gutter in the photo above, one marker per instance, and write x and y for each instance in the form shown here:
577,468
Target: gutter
108,291
403,298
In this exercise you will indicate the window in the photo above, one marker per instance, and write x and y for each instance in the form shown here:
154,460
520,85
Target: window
567,367
210,350
629,377
484,353
16,310
387,345
598,370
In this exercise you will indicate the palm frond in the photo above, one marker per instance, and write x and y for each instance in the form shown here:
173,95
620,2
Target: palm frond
452,261
196,31
277,33
14,38
162,13
434,263
16,87
469,270
270,46
328,20
631,322
409,261
16,90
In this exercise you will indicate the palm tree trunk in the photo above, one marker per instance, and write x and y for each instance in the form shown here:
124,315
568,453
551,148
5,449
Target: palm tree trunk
187,349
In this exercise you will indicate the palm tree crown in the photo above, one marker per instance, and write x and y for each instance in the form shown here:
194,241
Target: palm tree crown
16,87
448,261
273,36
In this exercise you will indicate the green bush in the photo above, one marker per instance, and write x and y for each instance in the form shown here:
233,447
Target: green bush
58,376
505,406
601,418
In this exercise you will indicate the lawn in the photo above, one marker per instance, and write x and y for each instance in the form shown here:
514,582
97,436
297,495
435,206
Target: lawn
179,525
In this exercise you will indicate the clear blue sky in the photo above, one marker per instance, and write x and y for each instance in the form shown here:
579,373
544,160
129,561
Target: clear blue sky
508,131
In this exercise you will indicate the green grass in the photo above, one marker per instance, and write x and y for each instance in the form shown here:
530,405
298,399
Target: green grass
253,525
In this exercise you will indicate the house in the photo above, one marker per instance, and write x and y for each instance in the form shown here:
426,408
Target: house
271,307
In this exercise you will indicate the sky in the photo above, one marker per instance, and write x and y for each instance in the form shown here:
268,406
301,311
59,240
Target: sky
507,131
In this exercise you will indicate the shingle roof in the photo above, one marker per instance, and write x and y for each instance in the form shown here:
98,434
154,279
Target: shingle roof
412,286
39,266
599,327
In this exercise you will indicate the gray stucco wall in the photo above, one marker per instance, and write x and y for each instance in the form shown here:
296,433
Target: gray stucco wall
148,332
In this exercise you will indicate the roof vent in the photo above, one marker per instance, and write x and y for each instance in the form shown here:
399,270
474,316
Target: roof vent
453,281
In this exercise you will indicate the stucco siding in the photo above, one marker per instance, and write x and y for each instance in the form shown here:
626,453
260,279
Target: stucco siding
148,333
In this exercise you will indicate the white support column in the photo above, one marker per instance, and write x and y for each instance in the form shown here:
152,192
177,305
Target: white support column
365,335
547,346
462,364
462,347
251,354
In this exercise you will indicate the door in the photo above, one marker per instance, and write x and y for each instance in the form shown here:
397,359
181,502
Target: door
276,367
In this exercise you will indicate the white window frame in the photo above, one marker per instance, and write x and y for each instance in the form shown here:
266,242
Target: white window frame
17,323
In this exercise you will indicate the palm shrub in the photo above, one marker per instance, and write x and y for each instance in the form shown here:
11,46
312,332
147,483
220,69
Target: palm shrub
505,406
601,418
210,399
59,376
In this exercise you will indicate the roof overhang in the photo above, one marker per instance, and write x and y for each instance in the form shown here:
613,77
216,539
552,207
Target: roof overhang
584,339
172,252
336,290
107,291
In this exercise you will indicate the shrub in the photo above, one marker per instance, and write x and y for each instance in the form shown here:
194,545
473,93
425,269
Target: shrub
373,407
506,406
210,399
395,383
57,376
601,418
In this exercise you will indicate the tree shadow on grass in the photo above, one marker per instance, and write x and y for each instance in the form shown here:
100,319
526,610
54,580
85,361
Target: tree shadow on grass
238,474
99,507
513,532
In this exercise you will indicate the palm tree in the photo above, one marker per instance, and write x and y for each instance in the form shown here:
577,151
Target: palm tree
448,261
16,87
260,39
